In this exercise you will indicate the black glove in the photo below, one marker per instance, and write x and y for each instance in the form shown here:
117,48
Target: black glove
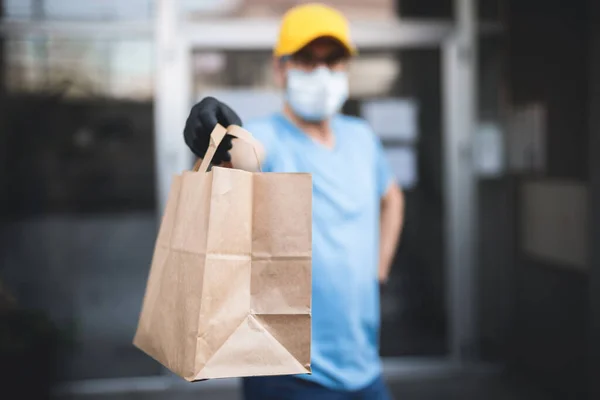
203,118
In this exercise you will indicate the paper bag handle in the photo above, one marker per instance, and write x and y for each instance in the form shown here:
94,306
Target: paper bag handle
216,137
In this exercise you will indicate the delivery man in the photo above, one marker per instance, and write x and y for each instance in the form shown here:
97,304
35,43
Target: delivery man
357,205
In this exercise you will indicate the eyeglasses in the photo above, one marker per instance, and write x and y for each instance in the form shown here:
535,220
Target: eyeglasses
307,59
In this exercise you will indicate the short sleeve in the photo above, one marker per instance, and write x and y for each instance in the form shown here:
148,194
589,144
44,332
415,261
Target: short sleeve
384,175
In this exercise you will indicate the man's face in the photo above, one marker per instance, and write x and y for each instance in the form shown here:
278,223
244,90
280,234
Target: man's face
320,52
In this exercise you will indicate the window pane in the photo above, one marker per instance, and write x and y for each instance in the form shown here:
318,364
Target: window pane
79,10
18,9
79,195
81,68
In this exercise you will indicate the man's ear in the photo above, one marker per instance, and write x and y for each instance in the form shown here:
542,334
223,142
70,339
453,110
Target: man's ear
279,71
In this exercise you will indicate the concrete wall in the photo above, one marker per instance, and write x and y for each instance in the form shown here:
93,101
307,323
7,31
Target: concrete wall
533,314
547,63
594,165
3,148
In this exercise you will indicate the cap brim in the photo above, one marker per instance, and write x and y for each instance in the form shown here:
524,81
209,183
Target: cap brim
350,48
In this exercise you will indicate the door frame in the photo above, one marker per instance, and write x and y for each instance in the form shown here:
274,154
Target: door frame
177,41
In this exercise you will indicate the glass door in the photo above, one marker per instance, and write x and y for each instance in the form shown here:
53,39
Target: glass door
399,93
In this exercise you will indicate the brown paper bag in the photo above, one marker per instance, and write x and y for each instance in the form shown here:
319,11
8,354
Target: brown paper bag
229,289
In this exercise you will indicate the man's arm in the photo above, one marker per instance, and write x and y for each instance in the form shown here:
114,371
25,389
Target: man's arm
391,222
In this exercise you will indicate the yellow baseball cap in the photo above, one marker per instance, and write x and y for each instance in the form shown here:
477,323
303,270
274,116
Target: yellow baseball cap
304,23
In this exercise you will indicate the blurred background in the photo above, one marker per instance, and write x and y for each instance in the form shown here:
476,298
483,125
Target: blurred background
489,112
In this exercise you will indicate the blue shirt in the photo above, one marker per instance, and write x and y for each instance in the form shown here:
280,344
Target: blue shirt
348,183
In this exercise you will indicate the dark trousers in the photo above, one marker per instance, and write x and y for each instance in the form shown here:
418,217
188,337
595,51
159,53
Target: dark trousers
291,388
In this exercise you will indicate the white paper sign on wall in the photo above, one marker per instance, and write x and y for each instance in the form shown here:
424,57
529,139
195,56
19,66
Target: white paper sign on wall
403,162
392,118
489,151
555,222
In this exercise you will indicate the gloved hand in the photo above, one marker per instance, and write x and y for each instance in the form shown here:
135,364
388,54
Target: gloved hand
203,118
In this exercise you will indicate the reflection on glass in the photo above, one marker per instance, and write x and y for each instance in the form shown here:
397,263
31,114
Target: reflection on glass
88,10
80,213
81,68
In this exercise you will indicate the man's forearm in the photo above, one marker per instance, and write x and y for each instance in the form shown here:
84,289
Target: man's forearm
391,222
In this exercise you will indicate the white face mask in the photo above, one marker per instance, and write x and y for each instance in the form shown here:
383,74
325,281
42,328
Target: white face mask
316,95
